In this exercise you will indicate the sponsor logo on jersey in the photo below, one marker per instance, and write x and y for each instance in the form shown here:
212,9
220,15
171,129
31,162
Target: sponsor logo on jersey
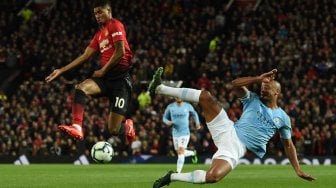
105,45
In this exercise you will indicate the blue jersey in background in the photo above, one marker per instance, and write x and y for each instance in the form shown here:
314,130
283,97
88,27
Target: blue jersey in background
179,115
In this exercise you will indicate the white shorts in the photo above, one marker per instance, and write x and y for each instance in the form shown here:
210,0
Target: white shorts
224,135
181,141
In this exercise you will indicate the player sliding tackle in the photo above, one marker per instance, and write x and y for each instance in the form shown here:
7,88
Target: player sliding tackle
260,119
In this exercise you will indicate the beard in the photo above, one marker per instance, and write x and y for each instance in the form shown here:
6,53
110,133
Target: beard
264,95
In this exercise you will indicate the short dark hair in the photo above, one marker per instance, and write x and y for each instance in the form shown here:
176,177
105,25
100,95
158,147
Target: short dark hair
101,3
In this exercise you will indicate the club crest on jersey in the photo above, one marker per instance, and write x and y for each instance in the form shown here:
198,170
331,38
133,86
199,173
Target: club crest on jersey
276,120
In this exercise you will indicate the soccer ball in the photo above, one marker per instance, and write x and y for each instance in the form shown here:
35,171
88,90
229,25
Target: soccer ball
102,152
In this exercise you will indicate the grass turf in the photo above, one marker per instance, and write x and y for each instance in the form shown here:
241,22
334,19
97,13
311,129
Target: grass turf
138,176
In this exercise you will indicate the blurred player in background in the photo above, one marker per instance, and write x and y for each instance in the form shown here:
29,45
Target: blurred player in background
260,119
111,80
177,115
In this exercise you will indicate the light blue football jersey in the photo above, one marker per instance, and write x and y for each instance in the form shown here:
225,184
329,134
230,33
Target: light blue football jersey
258,123
179,115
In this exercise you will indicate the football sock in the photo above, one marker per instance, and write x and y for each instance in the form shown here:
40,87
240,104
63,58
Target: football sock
78,107
188,153
180,163
186,94
197,176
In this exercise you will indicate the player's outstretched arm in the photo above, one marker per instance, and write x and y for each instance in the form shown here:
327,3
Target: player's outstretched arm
239,84
292,156
79,60
268,76
245,81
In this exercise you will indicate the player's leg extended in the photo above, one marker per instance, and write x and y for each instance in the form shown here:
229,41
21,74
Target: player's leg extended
186,94
180,143
117,127
218,170
120,97
180,159
82,90
209,104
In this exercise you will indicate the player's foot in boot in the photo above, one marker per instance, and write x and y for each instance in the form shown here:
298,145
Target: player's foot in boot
156,81
194,158
75,131
165,180
129,130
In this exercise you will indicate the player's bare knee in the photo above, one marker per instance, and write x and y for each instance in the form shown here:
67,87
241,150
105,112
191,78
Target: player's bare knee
87,87
180,151
78,87
212,177
81,87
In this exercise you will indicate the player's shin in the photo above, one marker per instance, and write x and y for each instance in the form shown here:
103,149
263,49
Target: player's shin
180,163
78,107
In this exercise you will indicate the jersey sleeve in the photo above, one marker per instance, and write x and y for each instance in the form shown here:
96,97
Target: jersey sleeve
194,114
286,129
166,115
246,97
94,43
117,31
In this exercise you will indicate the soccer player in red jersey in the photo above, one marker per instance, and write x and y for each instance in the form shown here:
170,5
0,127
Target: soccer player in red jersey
111,80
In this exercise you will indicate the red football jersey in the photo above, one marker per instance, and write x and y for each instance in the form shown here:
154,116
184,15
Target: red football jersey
103,41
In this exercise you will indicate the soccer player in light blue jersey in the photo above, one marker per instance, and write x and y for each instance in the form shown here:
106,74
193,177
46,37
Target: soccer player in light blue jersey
260,119
177,115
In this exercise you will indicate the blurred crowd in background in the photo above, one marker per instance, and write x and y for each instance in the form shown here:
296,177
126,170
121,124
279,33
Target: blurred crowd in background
199,42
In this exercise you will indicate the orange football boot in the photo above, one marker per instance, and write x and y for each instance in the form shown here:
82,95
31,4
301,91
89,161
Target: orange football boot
74,131
129,130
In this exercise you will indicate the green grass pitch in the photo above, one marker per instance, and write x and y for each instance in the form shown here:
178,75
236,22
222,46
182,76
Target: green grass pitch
143,175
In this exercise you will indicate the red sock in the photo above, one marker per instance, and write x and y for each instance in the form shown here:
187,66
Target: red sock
77,113
78,107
